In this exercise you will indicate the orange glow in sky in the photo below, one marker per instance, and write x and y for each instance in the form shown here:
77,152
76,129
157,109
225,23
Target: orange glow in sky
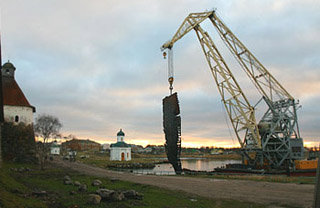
187,142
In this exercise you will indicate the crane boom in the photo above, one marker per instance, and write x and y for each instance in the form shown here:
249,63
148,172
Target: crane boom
282,131
240,112
275,140
188,24
267,85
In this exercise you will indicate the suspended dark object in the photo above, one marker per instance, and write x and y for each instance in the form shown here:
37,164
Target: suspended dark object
172,130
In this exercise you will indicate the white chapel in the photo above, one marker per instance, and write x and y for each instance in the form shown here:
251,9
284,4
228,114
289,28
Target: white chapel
120,151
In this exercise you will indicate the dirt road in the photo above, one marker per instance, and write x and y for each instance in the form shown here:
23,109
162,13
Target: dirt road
259,192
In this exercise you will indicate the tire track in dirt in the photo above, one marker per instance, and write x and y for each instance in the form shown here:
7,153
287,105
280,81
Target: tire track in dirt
267,193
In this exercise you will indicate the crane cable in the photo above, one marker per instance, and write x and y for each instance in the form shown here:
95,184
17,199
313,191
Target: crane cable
170,68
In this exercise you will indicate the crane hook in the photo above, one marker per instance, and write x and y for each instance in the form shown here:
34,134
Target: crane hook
170,80
164,55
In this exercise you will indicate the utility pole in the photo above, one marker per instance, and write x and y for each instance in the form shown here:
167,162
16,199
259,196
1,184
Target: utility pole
1,106
316,197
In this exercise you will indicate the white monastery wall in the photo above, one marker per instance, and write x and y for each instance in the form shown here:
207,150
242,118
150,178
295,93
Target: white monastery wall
25,114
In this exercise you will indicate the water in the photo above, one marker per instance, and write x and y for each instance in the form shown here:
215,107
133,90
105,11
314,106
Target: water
198,164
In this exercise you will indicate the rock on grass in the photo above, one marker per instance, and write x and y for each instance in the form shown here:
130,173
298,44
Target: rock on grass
77,183
83,188
117,196
96,182
105,193
94,199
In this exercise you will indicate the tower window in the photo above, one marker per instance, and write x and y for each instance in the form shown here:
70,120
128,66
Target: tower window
16,118
7,71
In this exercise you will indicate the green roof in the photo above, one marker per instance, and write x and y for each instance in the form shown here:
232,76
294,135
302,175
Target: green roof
120,133
119,144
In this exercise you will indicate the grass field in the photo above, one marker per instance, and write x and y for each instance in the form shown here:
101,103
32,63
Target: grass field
16,191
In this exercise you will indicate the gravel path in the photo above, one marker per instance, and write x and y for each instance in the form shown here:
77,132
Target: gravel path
273,194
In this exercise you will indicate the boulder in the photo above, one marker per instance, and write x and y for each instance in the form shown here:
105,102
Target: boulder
96,182
77,183
39,193
117,196
21,170
94,199
105,193
83,188
67,178
67,182
130,194
139,196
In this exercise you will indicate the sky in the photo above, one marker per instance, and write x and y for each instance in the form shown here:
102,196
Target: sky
97,65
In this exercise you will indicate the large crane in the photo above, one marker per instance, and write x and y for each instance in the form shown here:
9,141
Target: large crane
273,142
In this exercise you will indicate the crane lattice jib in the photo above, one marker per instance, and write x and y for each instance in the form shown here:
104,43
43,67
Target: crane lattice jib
266,84
188,24
240,112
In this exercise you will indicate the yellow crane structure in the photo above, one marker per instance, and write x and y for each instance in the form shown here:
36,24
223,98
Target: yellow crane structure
273,142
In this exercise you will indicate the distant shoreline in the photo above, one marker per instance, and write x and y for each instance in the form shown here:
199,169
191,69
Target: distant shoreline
196,156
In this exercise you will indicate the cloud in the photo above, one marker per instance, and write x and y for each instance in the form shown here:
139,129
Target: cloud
97,65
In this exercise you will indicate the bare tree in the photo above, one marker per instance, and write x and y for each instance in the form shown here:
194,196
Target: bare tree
46,127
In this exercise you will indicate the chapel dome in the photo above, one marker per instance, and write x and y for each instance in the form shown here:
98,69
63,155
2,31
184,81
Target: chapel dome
120,133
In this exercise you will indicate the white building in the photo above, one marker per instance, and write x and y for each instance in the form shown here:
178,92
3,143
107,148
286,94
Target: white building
16,107
120,151
54,148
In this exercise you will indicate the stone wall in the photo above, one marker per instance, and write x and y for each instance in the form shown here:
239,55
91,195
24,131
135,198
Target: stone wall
18,143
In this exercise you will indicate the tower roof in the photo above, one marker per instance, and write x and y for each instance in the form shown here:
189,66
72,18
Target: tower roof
8,64
12,94
120,133
8,69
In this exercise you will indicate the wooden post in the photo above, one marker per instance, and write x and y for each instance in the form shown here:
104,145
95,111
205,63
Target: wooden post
0,146
316,197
